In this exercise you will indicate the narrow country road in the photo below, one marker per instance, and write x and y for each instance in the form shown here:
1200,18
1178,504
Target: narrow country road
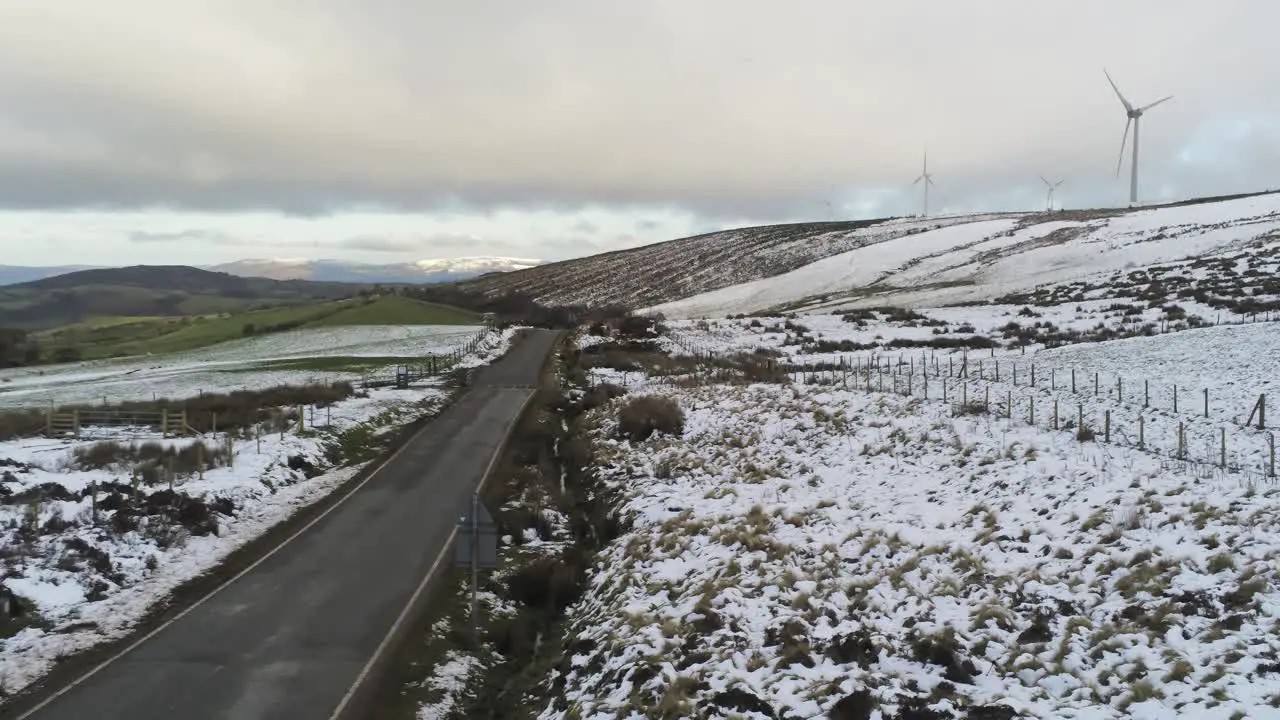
292,636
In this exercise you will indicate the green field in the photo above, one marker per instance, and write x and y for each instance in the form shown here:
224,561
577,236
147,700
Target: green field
122,336
396,310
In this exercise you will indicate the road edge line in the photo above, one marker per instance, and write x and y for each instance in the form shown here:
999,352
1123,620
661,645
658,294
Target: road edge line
202,600
381,654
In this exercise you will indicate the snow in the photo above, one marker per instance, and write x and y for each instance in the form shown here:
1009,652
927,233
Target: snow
987,258
449,680
855,268
228,365
80,602
799,543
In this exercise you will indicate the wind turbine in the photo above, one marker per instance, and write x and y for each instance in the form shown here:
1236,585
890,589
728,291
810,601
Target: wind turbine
1052,187
928,180
1134,115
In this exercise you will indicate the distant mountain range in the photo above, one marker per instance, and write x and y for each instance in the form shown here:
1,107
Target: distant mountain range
421,272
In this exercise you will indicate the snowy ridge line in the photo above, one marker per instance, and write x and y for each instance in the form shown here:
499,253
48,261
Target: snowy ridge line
994,256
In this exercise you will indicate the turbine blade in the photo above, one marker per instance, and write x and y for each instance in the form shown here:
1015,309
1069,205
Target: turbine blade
1148,107
1046,182
1123,139
1120,95
917,180
1058,183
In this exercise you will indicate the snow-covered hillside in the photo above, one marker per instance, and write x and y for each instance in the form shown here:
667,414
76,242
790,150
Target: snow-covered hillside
849,544
680,268
995,256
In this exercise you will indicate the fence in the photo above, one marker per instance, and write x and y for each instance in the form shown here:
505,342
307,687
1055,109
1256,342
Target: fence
431,366
1224,446
1070,400
81,423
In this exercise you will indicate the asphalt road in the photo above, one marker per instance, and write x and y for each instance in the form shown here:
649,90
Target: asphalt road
289,638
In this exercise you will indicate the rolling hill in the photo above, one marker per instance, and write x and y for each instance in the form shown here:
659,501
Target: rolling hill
422,272
413,273
123,336
1224,249
906,261
149,291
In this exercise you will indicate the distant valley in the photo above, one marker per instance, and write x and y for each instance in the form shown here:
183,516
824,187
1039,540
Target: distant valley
333,271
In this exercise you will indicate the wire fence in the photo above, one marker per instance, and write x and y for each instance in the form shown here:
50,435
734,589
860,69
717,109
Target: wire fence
1175,423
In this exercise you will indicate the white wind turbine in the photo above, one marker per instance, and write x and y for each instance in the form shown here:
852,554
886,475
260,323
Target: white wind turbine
928,180
1134,115
1052,187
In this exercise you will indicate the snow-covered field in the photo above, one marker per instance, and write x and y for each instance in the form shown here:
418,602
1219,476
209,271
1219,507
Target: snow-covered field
992,256
1161,378
221,367
81,582
805,549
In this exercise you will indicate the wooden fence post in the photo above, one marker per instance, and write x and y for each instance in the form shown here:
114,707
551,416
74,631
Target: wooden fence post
1262,412
1033,374
1119,389
1096,387
986,399
1073,380
997,363
1079,418
1033,410
1106,426
1015,374
1055,412
1271,441
1008,405
1142,433
1223,462
1206,402
1146,393
1175,397
1182,441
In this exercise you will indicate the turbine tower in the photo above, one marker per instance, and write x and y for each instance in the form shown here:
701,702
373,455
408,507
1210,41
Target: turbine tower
1134,115
928,180
1052,187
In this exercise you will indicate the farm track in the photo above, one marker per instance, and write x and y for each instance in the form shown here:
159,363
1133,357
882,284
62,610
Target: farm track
300,621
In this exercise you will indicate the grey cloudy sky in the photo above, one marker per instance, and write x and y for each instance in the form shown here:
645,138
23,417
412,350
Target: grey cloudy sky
181,130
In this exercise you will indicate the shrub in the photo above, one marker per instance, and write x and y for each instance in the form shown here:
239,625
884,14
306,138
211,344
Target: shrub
642,416
546,583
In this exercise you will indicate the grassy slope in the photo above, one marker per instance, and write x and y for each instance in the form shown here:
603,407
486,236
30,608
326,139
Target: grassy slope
396,310
115,337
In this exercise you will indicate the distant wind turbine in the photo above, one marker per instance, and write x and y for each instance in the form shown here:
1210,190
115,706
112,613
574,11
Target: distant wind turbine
1134,115
928,180
1052,187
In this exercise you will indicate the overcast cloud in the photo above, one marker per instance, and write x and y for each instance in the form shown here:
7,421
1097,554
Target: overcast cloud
714,111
